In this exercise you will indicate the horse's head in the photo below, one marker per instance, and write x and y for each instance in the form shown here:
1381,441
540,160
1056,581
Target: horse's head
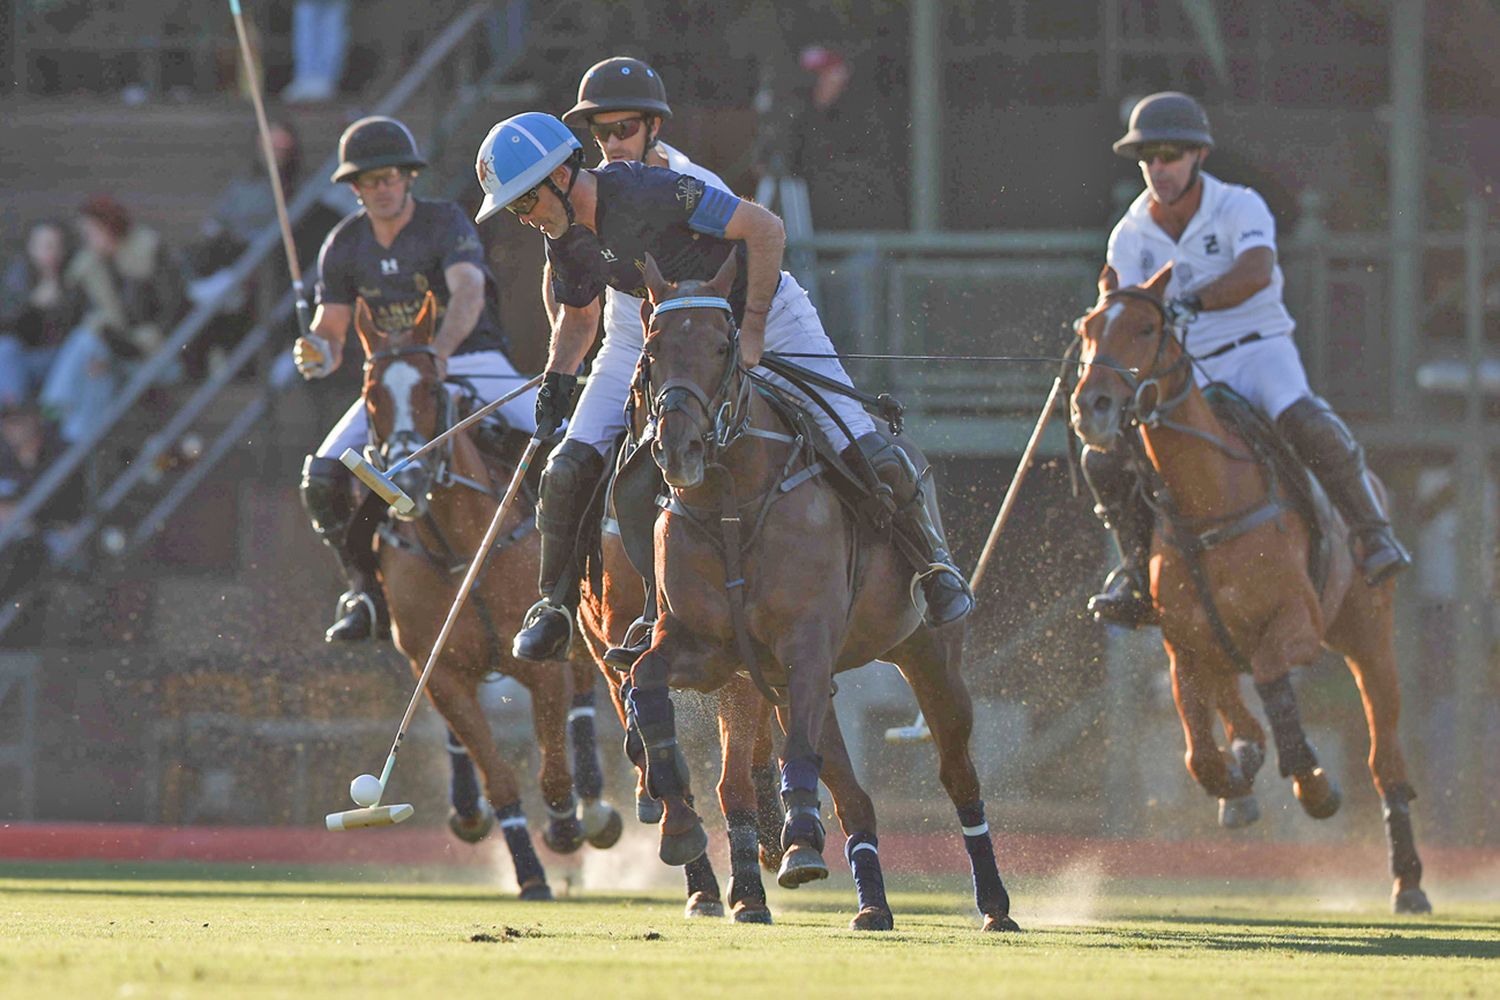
691,366
1127,352
405,399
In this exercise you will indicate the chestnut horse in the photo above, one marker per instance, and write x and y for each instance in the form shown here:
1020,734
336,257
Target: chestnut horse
1230,579
762,568
421,559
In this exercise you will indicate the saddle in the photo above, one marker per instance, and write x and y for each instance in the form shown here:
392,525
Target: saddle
1286,472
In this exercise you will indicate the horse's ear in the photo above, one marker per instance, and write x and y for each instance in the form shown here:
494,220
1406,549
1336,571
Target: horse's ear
646,310
1109,280
364,325
655,283
1157,283
723,281
421,330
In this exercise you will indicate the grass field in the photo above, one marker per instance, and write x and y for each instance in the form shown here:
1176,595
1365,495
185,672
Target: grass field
174,931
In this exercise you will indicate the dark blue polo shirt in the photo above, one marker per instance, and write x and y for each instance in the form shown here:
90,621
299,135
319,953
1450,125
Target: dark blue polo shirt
679,220
394,281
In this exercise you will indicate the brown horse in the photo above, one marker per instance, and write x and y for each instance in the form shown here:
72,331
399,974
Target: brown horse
1230,579
762,568
421,559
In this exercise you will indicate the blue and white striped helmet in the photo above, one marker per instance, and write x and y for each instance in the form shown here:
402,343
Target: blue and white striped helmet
517,155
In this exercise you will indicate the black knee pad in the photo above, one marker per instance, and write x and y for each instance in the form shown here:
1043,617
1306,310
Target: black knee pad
325,496
572,472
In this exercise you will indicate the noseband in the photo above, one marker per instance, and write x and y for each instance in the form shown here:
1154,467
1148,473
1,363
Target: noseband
1151,381
410,438
726,408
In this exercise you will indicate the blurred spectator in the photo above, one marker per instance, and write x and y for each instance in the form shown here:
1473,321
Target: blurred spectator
131,289
320,40
28,444
37,311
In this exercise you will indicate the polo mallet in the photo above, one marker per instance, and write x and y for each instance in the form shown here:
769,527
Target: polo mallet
918,731
252,76
367,789
382,482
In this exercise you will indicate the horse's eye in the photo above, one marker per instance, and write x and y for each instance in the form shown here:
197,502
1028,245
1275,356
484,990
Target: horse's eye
1146,331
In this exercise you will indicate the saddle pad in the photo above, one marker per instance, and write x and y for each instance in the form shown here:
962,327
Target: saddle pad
1301,488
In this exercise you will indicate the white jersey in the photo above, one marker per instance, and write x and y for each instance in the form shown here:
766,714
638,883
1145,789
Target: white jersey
623,312
1230,220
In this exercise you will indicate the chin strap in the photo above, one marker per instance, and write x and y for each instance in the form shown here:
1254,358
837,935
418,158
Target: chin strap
562,195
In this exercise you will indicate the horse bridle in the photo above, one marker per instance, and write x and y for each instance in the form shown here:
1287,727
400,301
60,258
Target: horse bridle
726,412
410,438
1133,413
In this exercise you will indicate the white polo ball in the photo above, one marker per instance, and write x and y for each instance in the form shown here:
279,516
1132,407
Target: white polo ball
365,790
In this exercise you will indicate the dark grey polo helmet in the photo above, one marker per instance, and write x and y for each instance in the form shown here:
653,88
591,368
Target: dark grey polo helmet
618,84
376,142
1166,117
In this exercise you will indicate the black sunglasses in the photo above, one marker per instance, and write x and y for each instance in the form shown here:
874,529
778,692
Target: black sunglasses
526,203
1164,153
620,130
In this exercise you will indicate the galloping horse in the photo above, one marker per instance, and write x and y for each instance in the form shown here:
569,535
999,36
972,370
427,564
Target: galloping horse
421,558
807,589
1230,575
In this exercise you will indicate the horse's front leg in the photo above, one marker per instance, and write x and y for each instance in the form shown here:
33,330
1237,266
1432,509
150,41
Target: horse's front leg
857,816
806,650
1194,693
1286,644
667,777
740,712
1247,752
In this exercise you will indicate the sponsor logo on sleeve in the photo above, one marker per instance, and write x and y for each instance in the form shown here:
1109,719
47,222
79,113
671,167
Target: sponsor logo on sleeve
689,190
1252,232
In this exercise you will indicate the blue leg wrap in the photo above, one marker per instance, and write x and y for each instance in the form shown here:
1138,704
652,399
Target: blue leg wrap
989,890
1293,753
463,783
744,859
863,854
666,773
700,876
518,838
1403,843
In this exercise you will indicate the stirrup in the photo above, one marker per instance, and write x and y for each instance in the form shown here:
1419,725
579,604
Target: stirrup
534,615
636,641
932,570
349,602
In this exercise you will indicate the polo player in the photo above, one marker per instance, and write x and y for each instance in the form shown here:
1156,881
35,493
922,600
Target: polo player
600,225
1226,285
391,253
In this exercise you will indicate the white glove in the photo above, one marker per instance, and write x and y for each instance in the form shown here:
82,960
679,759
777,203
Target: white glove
314,356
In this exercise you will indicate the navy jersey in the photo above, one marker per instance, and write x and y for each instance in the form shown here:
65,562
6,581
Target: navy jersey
679,220
394,281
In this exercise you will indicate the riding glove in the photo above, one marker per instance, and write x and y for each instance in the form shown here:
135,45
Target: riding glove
313,355
553,401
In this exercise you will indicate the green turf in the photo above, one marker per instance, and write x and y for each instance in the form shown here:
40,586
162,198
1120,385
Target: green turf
66,935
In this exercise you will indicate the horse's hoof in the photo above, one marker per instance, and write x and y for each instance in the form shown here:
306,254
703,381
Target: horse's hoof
609,835
677,849
471,830
994,923
1410,901
770,856
1250,756
563,836
536,892
801,865
1238,813
593,815
873,918
1319,793
648,810
701,904
751,911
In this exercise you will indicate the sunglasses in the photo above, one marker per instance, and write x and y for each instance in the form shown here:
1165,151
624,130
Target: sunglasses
1166,154
526,203
620,130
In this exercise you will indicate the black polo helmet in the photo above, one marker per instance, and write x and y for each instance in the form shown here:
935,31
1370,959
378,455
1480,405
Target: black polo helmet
376,142
618,84
1169,116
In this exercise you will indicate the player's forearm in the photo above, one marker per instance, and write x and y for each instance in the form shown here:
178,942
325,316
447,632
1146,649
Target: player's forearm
572,337
1251,272
764,246
459,321
549,300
